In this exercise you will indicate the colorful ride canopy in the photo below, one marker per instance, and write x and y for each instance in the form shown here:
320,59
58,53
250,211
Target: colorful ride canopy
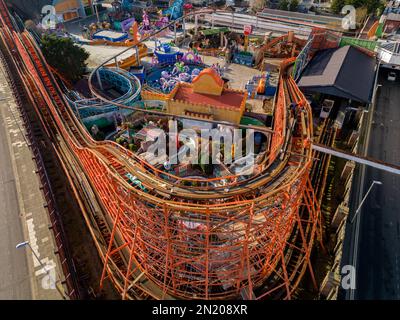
175,11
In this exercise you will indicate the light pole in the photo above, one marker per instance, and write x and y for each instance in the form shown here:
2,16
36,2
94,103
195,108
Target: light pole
365,197
96,10
27,244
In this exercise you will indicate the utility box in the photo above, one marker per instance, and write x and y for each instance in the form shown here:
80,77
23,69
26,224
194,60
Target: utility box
327,106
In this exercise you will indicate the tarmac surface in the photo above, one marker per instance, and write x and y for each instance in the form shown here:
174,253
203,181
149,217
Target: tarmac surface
22,213
378,274
374,246
14,279
237,74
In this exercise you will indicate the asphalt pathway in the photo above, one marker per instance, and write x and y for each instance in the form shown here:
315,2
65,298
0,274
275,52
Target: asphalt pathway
14,275
378,275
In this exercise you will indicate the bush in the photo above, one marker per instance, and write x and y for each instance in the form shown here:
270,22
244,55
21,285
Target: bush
293,5
371,5
283,5
337,5
64,56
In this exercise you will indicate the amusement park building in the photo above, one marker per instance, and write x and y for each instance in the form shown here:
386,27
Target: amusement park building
186,237
207,97
72,9
68,10
331,71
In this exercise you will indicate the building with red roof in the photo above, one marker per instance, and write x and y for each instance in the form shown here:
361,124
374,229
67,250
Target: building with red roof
207,98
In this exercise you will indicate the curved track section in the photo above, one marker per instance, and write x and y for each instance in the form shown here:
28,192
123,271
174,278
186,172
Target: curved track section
129,86
252,239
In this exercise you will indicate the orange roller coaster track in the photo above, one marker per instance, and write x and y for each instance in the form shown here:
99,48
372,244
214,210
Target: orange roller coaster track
175,241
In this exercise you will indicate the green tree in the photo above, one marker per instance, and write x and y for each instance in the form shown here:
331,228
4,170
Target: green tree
138,14
64,56
380,9
293,5
283,5
371,5
337,5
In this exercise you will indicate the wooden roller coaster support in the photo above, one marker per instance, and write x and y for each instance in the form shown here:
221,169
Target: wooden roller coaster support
67,82
296,96
148,234
49,102
165,280
280,117
302,102
320,168
269,47
306,235
101,187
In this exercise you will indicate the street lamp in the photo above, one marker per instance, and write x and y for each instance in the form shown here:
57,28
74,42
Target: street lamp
365,197
27,244
96,9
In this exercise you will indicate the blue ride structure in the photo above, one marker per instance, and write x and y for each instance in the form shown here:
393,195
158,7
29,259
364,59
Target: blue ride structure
175,11
127,5
93,111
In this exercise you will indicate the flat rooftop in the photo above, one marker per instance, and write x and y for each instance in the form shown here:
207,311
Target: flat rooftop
229,99
345,72
110,34
320,19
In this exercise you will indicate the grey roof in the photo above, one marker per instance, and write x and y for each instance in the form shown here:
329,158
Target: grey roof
392,47
393,16
325,19
344,72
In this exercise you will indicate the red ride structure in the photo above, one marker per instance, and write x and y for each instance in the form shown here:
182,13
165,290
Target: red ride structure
251,239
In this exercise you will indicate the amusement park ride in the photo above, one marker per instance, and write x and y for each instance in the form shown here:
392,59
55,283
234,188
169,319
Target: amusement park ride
163,235
185,237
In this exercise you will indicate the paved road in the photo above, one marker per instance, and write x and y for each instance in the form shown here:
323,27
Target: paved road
14,274
22,213
378,244
379,247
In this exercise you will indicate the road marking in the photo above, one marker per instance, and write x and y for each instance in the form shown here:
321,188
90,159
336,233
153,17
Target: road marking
32,213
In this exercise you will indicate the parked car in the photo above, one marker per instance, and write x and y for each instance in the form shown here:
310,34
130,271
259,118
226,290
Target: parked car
392,76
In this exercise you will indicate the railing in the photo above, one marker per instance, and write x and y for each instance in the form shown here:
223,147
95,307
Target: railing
67,266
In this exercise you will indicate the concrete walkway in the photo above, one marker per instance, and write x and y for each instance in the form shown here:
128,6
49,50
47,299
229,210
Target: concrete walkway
22,213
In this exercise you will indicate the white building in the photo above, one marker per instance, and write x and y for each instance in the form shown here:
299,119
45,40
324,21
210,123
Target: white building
389,53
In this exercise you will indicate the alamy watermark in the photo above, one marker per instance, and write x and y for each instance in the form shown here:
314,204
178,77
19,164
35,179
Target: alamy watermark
349,20
205,146
49,21
348,281
48,280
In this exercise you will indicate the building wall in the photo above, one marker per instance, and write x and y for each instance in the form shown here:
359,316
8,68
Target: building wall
388,57
179,107
207,85
67,5
71,9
